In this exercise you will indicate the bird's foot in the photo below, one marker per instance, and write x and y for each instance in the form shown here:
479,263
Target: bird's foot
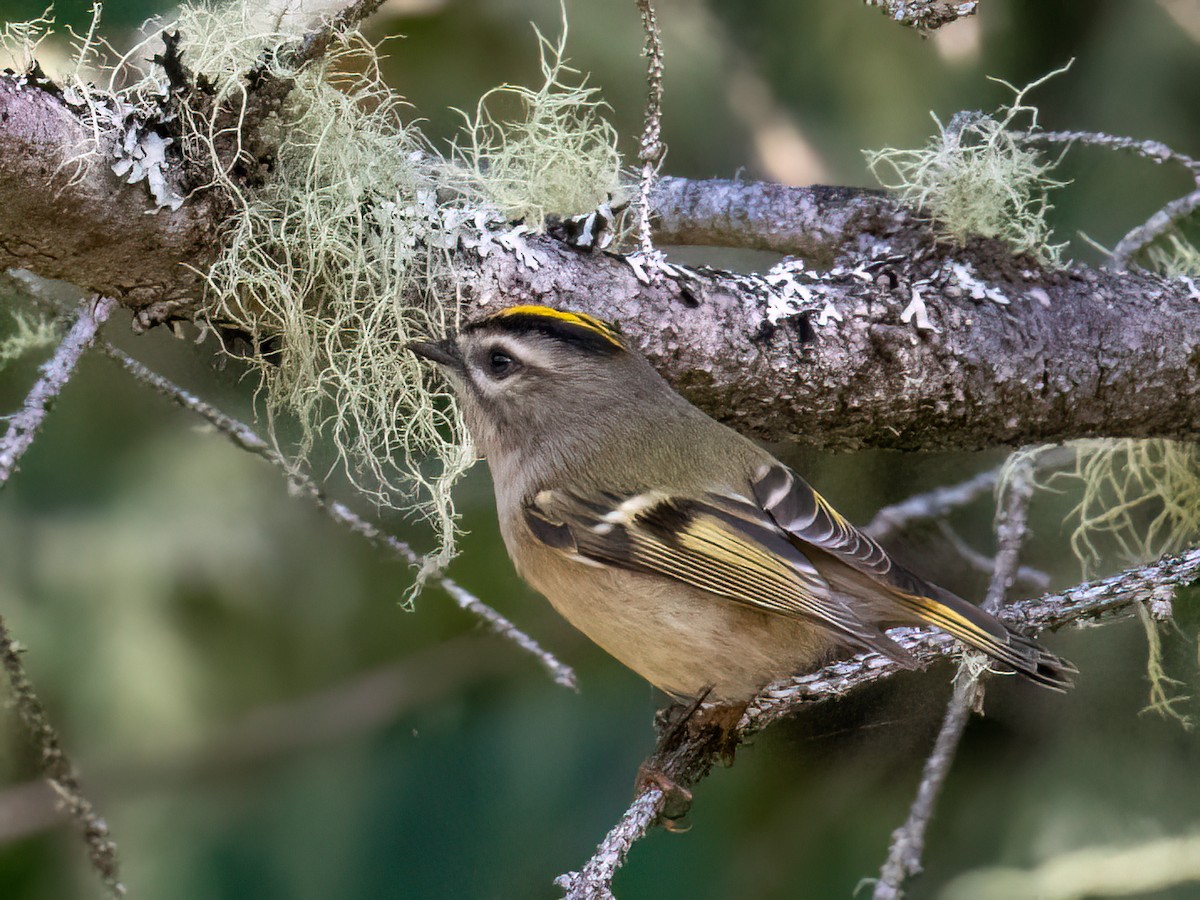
721,721
677,800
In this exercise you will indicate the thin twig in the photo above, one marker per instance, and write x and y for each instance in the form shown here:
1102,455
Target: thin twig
594,880
56,372
57,769
316,42
54,764
246,438
936,504
652,149
1152,150
1157,225
690,762
1162,221
908,841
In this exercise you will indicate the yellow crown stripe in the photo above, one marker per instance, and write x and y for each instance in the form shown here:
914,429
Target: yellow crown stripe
582,320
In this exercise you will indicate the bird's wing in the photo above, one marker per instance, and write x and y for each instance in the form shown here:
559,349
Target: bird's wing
724,544
810,522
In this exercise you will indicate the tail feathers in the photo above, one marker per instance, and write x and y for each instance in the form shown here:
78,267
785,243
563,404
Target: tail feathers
989,635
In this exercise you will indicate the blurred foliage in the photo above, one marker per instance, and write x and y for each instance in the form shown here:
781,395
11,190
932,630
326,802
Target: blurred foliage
257,716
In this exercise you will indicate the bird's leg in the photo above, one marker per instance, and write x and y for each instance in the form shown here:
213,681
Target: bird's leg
672,722
720,720
716,722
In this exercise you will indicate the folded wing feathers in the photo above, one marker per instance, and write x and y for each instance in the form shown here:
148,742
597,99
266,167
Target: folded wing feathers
809,519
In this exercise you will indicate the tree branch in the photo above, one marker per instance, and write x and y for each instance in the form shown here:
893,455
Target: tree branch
925,15
245,437
1015,354
57,769
908,841
56,372
692,760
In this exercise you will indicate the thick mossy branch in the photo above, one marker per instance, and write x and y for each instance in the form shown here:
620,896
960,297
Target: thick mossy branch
976,177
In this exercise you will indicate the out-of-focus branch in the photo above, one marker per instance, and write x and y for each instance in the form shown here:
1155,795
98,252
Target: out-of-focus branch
929,507
57,769
279,730
246,438
693,759
56,372
908,841
1162,221
652,149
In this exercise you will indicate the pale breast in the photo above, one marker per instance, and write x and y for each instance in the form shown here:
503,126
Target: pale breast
679,638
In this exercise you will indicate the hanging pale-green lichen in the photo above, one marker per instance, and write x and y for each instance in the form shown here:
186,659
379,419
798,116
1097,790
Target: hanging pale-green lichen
556,155
341,249
976,177
1138,499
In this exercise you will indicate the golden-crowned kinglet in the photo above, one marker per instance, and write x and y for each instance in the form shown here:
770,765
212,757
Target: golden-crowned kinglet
684,550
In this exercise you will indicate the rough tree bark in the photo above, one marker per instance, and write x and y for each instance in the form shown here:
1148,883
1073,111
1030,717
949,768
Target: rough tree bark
1014,354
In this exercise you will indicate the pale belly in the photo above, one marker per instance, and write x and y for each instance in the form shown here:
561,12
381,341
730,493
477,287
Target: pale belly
680,639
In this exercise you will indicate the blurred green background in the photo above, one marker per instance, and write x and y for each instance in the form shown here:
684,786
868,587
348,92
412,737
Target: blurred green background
256,714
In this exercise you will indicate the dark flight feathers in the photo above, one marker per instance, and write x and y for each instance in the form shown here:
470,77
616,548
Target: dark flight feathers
783,550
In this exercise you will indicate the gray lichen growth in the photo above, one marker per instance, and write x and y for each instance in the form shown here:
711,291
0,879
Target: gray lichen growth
341,249
976,177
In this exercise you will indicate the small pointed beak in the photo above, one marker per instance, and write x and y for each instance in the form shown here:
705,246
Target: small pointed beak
444,353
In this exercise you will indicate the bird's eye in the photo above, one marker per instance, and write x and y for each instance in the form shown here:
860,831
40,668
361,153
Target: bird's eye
500,364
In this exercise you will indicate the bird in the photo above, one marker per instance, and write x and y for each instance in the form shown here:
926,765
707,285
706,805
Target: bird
682,548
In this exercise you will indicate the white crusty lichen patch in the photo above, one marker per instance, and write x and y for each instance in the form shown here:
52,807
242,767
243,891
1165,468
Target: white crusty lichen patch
344,249
976,176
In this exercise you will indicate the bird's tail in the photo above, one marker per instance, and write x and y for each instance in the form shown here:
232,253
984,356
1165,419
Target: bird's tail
986,633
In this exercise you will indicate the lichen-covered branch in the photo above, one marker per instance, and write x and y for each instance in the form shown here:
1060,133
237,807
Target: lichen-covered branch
1009,353
883,338
692,760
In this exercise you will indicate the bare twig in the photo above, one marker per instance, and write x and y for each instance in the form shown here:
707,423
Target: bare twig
692,760
56,372
925,15
316,42
908,841
1163,220
1152,150
936,504
594,880
246,438
652,150
1158,224
1031,580
58,770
